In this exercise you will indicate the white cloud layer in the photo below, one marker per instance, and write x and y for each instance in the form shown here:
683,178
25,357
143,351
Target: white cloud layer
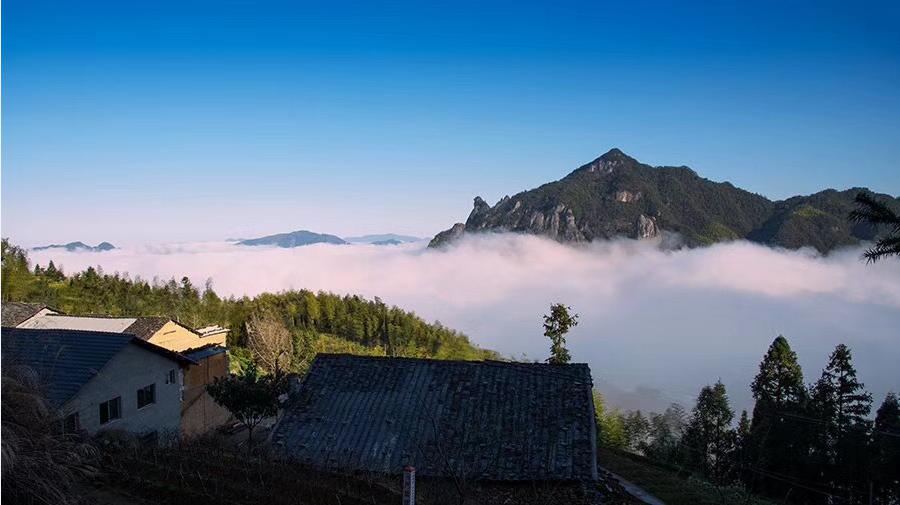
655,326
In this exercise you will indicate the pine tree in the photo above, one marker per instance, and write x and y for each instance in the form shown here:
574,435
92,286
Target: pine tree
841,405
778,441
709,439
886,452
877,213
741,456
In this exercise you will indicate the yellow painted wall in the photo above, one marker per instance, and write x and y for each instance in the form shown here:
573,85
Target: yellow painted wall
199,412
175,337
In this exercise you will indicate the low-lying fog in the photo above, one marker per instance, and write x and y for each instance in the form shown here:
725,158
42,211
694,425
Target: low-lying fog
655,326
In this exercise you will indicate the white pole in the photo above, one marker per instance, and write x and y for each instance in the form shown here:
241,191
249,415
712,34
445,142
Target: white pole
409,485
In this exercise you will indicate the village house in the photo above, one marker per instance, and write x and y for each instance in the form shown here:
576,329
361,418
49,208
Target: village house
207,350
102,381
471,421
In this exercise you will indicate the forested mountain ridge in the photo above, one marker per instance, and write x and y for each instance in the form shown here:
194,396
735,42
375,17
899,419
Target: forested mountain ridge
294,239
78,246
325,322
616,196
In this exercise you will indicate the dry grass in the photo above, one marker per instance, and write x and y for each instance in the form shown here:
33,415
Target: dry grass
40,463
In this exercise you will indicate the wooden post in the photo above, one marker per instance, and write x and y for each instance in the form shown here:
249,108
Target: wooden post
409,485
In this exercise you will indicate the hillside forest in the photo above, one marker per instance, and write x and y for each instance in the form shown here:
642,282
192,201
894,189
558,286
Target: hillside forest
317,322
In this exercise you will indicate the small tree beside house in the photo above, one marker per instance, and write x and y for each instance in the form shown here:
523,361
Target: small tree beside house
251,397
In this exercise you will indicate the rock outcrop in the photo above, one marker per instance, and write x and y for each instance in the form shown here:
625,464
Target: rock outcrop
447,236
617,196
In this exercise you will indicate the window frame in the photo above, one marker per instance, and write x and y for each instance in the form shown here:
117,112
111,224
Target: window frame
71,423
141,394
117,401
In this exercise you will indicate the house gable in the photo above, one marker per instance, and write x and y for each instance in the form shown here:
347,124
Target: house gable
176,337
131,369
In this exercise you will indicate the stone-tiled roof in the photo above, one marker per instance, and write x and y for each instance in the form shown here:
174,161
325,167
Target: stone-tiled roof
15,313
485,420
65,360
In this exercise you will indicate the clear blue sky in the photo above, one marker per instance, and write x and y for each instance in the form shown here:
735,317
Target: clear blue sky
158,121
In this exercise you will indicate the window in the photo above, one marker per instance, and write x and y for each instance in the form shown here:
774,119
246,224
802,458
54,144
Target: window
111,410
146,396
71,423
171,378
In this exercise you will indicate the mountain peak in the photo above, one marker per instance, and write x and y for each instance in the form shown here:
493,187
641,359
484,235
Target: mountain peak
616,154
617,196
294,239
78,246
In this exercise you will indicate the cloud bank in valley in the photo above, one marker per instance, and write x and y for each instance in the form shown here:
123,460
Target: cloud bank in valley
655,325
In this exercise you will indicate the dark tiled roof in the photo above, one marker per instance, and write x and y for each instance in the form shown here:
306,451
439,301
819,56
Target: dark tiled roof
482,420
65,360
15,313
146,326
204,351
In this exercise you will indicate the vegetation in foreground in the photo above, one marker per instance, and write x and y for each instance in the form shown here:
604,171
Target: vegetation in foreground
670,484
802,444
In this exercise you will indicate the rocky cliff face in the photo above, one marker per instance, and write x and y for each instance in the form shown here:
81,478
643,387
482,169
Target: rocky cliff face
617,196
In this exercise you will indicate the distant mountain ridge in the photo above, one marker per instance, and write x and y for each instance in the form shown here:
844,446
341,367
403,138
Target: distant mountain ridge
305,237
383,239
78,246
617,196
294,239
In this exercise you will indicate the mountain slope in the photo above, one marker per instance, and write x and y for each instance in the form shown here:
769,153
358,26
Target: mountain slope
294,239
78,246
615,195
382,239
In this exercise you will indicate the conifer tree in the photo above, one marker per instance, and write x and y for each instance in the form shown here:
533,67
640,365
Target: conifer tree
709,438
741,455
886,452
877,213
778,441
841,406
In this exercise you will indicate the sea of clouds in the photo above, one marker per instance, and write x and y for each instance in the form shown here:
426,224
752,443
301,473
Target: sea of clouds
655,325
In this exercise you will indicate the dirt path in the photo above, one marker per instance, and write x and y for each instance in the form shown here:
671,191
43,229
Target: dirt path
636,491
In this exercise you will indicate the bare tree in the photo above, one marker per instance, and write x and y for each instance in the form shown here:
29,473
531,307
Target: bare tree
270,342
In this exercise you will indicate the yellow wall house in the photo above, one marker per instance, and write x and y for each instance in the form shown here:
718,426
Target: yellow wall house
207,347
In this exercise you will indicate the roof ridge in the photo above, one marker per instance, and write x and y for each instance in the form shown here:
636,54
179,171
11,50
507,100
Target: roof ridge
95,316
66,330
572,371
439,360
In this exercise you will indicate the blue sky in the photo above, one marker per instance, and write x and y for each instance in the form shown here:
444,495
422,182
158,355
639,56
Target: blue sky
160,121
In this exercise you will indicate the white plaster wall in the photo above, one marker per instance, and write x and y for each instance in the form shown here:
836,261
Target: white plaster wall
131,369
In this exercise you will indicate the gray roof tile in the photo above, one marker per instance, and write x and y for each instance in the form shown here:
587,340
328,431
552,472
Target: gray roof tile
484,420
15,313
65,360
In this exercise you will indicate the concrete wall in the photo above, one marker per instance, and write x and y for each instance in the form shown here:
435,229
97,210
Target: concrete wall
131,369
199,412
175,337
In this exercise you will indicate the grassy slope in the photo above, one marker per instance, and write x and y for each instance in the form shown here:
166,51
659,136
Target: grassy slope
668,485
